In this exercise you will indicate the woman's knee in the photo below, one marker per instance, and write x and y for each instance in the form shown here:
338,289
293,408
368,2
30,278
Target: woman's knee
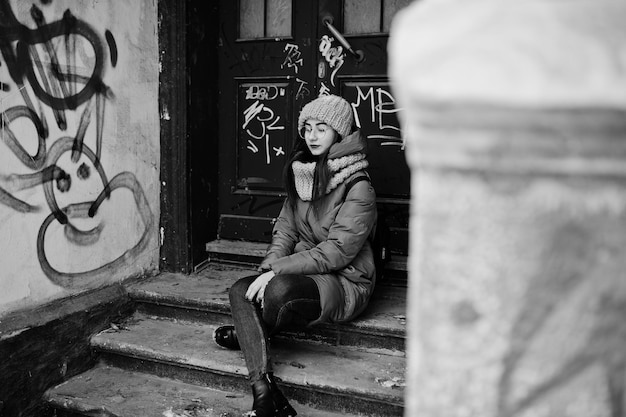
279,290
239,288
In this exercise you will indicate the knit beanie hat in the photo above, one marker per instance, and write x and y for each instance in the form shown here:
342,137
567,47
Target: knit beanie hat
333,110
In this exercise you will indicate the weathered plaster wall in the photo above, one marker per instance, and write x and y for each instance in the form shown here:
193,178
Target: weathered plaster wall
515,123
79,148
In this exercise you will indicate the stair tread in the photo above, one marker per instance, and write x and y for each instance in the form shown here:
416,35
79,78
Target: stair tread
237,247
130,394
258,250
336,369
208,290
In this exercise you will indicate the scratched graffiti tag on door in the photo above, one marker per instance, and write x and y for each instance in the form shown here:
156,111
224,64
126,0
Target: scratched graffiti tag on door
56,85
263,134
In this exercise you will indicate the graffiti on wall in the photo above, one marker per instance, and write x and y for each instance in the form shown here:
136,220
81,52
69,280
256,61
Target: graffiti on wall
262,132
58,69
302,89
376,105
266,119
293,58
333,55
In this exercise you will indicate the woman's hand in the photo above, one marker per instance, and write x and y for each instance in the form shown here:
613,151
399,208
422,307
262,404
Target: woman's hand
256,290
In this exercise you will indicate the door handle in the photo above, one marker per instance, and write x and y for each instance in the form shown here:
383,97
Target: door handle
328,22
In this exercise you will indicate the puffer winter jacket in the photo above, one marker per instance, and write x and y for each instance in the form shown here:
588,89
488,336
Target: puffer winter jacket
332,247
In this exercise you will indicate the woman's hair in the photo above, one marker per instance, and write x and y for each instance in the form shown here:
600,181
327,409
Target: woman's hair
321,175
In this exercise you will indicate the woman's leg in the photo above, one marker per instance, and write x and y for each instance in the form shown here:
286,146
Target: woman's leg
251,332
290,301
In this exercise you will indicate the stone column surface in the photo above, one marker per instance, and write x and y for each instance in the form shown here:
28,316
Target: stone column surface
514,118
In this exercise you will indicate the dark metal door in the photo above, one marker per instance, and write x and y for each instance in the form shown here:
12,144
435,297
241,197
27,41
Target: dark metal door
269,68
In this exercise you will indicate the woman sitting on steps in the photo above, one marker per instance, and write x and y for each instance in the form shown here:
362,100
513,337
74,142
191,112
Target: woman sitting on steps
320,265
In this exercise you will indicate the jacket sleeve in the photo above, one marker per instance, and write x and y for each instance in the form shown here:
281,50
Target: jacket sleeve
346,236
284,237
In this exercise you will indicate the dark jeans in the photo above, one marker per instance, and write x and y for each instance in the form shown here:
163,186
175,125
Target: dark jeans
290,301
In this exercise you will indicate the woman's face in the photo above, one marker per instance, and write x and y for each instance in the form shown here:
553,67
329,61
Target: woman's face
319,136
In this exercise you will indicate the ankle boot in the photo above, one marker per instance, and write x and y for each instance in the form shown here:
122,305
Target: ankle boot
226,336
263,404
283,408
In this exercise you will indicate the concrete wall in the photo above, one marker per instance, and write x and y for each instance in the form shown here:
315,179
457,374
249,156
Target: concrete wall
515,122
79,148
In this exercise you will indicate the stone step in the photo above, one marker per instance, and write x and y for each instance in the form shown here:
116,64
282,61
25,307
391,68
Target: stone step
251,254
327,377
109,391
203,296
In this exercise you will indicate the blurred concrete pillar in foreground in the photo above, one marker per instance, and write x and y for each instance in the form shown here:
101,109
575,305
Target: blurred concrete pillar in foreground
514,114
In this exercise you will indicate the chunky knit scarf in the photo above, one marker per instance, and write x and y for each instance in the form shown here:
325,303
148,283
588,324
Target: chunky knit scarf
340,168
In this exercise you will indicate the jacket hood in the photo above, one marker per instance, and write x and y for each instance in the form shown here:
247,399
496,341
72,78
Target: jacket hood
351,144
